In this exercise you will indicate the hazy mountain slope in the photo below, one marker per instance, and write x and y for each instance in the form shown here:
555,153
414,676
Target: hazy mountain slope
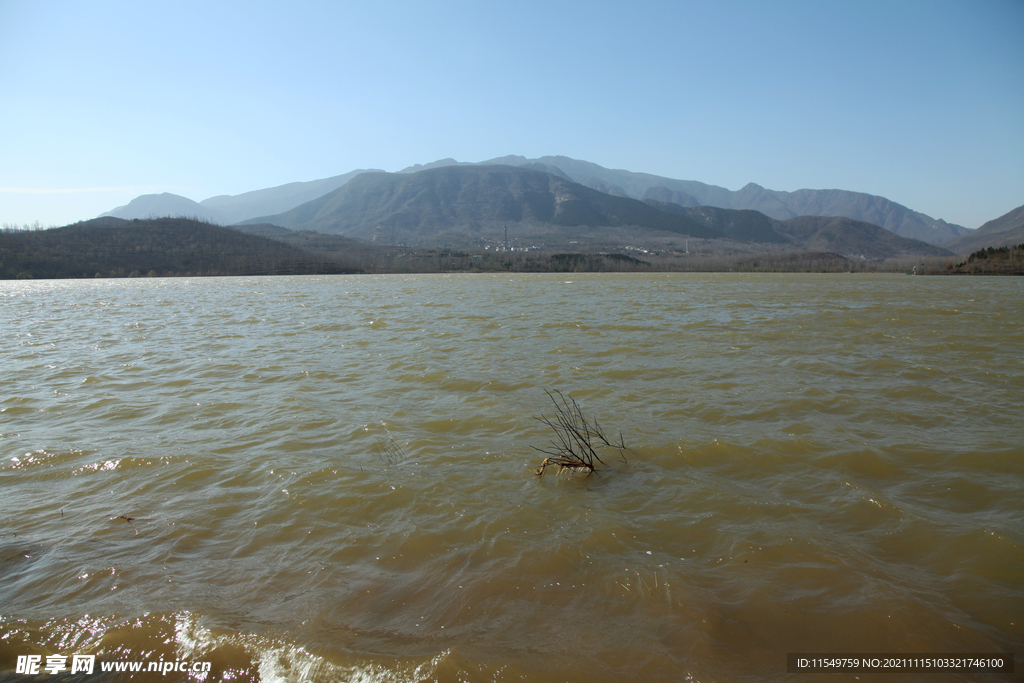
273,200
665,195
553,170
634,184
1007,230
165,204
853,238
739,224
601,186
417,207
857,205
776,204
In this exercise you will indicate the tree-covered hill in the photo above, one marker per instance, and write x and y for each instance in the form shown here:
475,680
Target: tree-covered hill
111,247
990,261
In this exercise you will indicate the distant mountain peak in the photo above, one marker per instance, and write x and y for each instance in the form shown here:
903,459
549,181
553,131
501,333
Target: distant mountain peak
440,163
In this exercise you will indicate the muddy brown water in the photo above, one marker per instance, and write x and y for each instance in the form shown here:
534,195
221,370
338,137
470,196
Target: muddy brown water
331,478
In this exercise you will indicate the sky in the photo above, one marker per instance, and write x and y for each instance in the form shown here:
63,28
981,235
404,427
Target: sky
921,102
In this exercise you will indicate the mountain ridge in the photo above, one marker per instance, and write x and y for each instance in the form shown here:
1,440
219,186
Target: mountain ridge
776,204
781,205
230,209
1006,230
271,200
466,205
466,199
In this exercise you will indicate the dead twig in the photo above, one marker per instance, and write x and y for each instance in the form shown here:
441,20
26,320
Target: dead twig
389,451
577,439
129,520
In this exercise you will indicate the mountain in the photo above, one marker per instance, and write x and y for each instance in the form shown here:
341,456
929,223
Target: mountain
663,194
229,209
776,204
688,193
460,203
856,205
853,238
165,204
467,205
1007,230
273,200
743,224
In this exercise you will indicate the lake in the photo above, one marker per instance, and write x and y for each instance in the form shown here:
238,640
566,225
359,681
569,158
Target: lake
333,478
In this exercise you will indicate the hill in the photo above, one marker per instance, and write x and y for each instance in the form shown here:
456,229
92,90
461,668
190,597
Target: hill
852,238
1004,231
164,205
743,225
461,203
111,247
1008,260
859,206
817,234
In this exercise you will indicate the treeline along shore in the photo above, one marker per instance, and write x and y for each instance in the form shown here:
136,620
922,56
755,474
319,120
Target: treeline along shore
182,247
989,261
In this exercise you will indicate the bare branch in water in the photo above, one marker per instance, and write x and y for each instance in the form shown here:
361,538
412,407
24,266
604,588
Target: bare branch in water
577,439
389,451
129,520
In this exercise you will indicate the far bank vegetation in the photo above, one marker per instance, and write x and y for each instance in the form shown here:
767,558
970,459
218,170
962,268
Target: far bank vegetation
990,261
177,247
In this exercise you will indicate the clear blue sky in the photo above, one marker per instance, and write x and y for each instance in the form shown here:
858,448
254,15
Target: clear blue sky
100,101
